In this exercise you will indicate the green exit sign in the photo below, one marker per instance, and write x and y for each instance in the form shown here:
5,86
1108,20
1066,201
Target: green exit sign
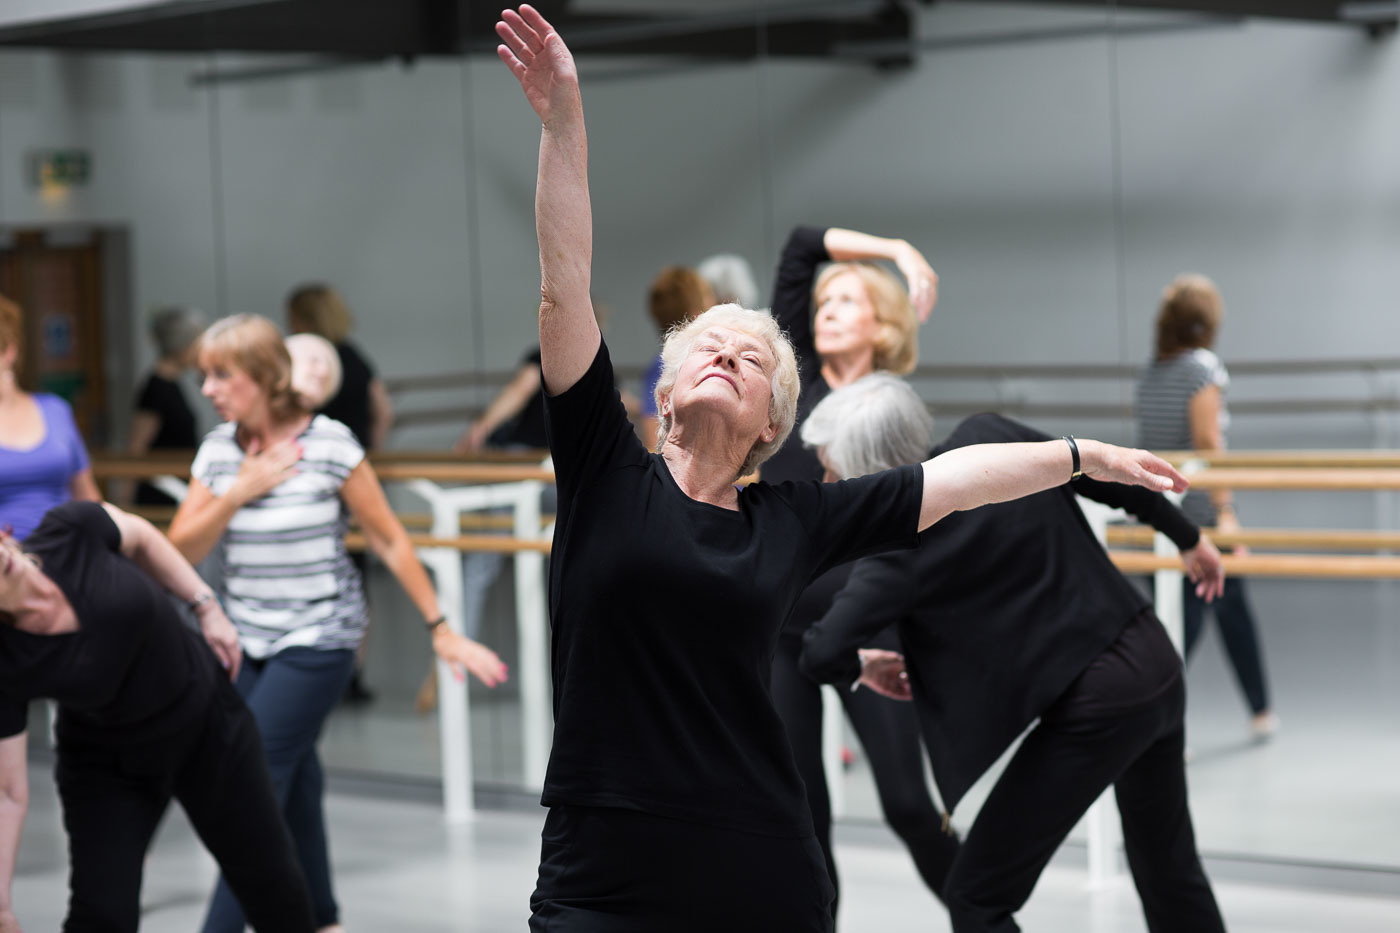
49,167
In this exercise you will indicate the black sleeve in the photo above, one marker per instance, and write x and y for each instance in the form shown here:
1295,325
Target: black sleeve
858,517
14,717
151,399
804,251
78,517
1148,507
877,595
589,433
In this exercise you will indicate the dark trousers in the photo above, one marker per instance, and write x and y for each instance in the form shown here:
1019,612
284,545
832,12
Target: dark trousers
610,870
1237,631
290,695
113,800
889,733
1059,770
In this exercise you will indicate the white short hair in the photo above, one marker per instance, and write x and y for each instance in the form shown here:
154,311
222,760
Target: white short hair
784,383
730,278
873,424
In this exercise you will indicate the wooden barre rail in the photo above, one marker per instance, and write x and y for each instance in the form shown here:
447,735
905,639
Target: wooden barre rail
1300,566
1301,478
1341,459
1278,538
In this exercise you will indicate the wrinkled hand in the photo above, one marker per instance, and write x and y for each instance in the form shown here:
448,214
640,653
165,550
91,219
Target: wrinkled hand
540,61
921,279
1113,464
9,923
883,671
221,636
264,470
1203,566
463,654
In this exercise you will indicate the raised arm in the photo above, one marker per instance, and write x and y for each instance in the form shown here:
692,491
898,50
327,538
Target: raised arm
150,550
845,245
544,67
981,474
14,804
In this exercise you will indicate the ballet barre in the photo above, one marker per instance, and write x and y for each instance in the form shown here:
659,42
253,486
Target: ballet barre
1273,538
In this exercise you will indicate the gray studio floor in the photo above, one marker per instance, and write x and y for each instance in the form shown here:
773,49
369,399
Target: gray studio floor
399,868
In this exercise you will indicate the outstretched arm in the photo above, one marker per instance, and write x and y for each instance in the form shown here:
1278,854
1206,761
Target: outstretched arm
981,474
14,803
544,67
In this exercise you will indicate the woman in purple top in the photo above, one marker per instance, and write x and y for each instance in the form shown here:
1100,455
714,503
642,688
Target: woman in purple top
43,462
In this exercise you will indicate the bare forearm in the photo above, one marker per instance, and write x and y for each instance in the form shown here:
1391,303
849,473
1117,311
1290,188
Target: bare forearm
844,245
12,813
164,563
194,533
564,213
398,555
969,477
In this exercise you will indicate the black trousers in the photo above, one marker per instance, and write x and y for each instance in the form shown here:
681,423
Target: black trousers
889,733
611,870
1059,770
1235,620
113,800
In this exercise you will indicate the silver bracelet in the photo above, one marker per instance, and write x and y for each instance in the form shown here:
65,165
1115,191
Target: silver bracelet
199,600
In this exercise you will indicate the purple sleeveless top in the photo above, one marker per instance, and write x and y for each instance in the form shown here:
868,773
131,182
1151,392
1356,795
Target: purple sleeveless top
35,480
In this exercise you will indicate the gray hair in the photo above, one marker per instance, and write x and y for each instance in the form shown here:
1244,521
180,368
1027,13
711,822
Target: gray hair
782,408
730,278
873,424
175,329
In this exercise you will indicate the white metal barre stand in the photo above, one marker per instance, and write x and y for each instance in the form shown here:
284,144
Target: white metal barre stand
454,720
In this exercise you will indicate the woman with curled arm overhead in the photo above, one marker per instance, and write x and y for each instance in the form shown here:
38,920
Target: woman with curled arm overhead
1180,406
847,320
673,799
146,714
274,487
1006,614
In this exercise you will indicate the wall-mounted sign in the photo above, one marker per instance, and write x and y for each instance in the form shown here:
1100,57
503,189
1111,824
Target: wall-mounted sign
59,167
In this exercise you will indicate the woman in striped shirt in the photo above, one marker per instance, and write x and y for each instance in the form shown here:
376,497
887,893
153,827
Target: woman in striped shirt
1181,405
274,486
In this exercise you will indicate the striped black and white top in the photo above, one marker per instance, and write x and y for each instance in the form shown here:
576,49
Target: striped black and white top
288,581
1163,418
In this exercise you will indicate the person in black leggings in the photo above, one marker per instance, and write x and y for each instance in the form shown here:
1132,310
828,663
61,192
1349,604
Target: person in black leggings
864,322
146,713
1010,613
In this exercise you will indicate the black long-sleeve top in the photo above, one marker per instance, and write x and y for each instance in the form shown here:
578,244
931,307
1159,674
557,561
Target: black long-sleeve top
999,609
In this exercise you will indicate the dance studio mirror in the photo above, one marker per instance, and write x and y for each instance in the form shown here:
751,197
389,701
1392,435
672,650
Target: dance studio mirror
1057,165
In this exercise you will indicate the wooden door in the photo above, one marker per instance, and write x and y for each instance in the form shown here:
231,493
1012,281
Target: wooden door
57,279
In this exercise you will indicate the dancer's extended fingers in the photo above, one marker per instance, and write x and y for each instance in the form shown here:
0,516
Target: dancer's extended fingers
535,20
516,66
515,43
528,31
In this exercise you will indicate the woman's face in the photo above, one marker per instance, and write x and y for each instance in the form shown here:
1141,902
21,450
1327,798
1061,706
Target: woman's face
845,321
311,372
728,372
232,391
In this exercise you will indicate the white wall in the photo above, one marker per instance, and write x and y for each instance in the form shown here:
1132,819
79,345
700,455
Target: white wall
1260,154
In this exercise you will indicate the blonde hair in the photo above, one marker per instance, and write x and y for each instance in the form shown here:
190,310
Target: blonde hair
784,384
318,309
255,345
11,329
1189,315
896,346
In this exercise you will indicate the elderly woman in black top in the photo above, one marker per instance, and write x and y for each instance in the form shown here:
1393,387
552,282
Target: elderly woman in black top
146,713
674,802
1009,613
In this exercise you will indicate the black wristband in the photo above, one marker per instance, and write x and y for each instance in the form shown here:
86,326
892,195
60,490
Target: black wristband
1075,472
432,626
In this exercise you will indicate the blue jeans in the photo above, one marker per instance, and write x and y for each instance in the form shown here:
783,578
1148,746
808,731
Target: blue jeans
290,695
